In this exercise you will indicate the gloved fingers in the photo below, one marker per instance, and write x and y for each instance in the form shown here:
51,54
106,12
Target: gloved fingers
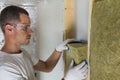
61,48
79,66
22,78
85,74
83,71
65,48
71,64
84,68
81,76
68,41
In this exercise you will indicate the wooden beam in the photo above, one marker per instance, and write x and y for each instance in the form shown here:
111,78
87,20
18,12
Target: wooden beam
69,20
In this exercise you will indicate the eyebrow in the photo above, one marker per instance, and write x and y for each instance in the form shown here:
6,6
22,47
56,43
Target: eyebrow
25,24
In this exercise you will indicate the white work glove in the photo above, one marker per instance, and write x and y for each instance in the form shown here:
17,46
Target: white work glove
63,46
78,72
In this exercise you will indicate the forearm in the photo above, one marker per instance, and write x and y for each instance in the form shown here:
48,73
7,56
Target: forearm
49,64
53,59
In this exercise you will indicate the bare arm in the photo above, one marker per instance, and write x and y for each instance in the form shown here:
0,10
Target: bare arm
49,64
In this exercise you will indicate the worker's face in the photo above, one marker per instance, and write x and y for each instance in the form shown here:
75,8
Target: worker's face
23,30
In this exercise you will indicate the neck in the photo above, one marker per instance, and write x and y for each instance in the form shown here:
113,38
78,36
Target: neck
11,48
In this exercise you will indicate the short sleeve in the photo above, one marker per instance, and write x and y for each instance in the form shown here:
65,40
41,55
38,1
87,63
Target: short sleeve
35,59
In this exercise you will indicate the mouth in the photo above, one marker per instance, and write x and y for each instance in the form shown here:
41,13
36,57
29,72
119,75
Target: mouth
28,37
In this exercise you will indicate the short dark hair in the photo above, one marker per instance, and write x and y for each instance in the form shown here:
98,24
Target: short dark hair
11,14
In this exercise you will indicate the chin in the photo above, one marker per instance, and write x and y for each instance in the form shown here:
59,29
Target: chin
26,42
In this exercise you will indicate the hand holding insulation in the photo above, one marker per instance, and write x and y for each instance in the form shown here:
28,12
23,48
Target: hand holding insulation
78,72
63,46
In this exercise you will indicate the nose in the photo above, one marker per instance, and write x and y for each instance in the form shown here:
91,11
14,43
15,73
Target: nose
29,31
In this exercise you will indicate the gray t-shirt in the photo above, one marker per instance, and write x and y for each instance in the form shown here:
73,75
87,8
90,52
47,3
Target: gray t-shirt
17,66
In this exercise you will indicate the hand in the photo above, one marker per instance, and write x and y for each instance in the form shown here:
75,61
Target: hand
63,46
78,72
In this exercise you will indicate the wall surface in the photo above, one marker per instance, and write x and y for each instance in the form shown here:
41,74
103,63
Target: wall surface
51,28
81,18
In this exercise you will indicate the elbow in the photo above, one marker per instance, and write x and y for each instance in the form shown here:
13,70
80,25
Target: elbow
48,69
45,69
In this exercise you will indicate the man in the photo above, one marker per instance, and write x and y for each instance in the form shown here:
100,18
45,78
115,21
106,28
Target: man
15,63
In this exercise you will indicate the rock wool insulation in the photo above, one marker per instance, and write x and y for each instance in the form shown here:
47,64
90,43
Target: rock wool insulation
76,52
105,40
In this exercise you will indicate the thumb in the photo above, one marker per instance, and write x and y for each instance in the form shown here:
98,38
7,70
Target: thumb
68,41
71,64
80,65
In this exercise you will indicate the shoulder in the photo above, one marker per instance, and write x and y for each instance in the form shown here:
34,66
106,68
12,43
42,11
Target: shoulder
7,60
4,58
8,67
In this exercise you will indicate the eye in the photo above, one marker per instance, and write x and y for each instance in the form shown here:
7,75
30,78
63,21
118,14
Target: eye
25,28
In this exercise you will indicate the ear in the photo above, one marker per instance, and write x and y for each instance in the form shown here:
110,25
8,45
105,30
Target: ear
9,28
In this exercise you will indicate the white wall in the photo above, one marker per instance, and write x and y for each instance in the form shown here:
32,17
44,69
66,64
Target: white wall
50,29
50,34
81,17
